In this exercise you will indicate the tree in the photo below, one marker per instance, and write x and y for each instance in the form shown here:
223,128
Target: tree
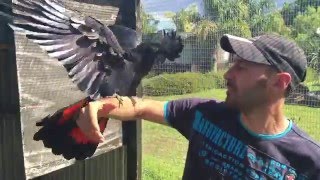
271,22
291,10
149,23
244,18
305,33
185,19
265,17
230,16
205,28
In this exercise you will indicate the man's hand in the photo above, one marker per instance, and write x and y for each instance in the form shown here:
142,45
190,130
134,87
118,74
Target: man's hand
132,108
88,120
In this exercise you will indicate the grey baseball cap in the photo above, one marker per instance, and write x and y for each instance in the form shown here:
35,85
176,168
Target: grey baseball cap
274,50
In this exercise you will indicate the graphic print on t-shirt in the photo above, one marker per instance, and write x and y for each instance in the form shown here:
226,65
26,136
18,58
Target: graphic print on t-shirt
230,156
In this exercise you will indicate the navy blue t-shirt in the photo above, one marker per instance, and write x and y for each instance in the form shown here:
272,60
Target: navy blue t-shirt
221,147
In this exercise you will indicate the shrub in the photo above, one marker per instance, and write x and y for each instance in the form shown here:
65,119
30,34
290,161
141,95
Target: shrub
218,79
181,83
312,75
312,80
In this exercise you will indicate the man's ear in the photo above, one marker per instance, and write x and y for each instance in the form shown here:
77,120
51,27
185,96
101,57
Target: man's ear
283,80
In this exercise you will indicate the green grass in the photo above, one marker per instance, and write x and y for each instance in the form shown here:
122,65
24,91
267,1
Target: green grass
214,93
164,149
163,152
307,118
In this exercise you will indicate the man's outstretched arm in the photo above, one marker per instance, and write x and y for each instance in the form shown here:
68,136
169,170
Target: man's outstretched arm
131,108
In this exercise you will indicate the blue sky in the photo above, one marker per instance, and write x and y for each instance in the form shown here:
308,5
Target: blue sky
158,7
176,5
166,5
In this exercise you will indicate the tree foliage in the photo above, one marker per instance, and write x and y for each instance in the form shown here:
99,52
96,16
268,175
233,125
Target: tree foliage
306,34
267,23
298,20
185,19
149,23
291,10
205,28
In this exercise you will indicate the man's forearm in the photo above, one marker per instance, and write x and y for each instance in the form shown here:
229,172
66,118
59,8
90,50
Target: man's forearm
132,108
126,111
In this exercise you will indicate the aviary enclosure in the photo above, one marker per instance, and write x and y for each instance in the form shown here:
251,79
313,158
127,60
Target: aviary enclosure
26,94
199,71
33,86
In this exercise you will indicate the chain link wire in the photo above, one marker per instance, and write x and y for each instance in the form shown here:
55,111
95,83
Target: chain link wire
201,23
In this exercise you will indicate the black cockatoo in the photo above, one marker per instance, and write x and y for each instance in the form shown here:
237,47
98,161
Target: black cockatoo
100,59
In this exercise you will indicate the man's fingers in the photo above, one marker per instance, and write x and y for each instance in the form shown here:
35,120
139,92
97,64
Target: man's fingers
94,124
88,123
97,135
88,120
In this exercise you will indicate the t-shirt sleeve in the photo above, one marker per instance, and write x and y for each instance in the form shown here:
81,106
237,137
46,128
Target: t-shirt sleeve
317,174
180,114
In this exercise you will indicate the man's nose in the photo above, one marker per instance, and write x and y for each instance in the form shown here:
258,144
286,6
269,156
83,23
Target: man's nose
227,75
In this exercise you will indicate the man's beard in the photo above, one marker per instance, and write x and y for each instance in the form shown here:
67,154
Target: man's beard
249,99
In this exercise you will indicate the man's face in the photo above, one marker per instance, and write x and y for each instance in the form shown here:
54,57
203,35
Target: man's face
247,84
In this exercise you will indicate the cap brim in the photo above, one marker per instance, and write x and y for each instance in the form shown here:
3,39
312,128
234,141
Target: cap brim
244,48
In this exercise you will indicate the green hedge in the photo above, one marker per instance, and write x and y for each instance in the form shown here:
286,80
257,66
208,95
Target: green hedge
312,75
218,79
312,79
181,83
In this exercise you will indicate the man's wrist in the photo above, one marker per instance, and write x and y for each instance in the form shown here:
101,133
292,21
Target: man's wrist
104,106
109,107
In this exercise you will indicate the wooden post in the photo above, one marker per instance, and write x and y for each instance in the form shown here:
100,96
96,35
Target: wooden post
128,16
11,150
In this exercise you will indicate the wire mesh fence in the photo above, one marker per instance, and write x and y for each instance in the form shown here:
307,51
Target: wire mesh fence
201,23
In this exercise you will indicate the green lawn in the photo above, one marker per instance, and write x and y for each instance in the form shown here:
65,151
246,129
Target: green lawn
164,149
